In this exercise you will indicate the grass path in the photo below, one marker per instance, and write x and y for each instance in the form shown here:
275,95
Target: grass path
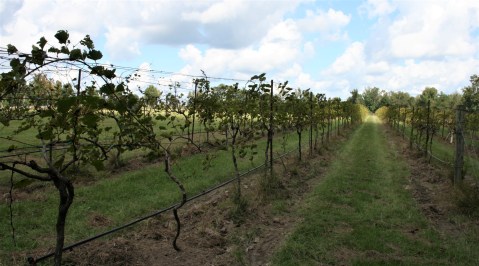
361,214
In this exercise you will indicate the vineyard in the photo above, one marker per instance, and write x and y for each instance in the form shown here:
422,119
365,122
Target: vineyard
447,135
63,133
88,150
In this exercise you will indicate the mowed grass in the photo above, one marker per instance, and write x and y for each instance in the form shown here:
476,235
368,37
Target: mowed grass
361,214
126,196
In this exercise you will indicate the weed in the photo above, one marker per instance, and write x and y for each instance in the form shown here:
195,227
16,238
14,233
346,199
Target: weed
279,207
271,187
467,199
238,212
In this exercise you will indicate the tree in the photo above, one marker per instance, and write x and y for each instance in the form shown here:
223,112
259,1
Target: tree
470,97
429,94
372,98
152,95
354,98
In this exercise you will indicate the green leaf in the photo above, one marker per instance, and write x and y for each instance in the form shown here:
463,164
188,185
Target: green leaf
65,104
120,88
98,164
107,89
65,50
15,64
109,74
38,56
75,54
95,55
62,36
90,120
47,113
97,70
11,49
53,50
87,42
42,42
48,134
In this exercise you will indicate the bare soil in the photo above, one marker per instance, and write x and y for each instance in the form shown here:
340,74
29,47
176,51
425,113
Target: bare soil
432,188
211,234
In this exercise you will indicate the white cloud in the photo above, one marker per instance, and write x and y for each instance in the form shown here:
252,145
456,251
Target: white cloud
131,24
279,52
434,29
414,44
217,12
329,24
353,58
190,53
377,8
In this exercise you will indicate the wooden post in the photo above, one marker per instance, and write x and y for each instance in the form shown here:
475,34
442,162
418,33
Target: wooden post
328,104
337,119
443,123
311,123
428,125
459,154
194,113
411,135
271,130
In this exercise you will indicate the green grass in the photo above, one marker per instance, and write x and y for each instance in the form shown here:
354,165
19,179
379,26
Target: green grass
127,196
362,215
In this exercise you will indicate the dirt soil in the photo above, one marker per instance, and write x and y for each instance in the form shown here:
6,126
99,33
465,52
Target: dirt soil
211,235
432,188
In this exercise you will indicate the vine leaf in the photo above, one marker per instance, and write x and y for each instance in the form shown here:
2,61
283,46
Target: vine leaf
11,49
75,54
62,36
95,55
42,42
87,41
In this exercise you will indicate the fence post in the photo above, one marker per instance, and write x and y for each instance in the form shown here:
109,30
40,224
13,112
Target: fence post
311,123
270,137
328,104
411,134
337,119
459,154
443,123
427,126
194,112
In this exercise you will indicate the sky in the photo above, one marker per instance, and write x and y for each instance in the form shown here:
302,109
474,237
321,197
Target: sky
330,47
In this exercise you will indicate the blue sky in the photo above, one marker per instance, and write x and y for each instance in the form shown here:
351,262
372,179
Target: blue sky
329,46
